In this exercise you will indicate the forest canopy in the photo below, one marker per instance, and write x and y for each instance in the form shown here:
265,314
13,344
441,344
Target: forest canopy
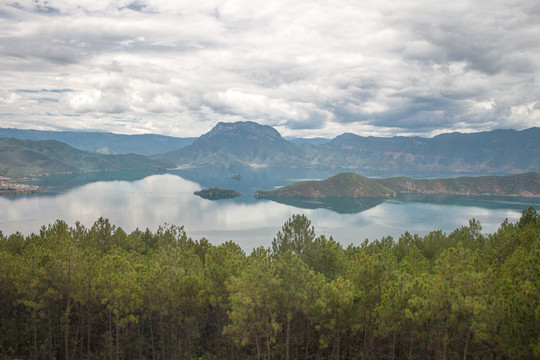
100,293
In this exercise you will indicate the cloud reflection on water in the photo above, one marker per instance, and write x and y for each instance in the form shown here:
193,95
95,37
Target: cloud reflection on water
159,199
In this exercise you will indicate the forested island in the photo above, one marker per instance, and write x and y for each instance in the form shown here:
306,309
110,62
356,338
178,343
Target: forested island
98,292
352,185
217,193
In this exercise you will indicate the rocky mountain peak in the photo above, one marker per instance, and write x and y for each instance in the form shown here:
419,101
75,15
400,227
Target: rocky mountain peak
244,129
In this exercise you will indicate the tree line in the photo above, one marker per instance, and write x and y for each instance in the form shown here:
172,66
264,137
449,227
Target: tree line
100,293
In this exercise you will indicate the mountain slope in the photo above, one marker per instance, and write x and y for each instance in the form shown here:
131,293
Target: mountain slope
351,185
19,158
104,143
526,185
241,143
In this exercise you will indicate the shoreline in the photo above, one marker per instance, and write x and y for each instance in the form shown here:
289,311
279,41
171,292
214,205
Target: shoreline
8,188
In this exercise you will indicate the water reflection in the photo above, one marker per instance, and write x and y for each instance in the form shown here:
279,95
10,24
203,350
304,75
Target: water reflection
339,205
60,183
168,198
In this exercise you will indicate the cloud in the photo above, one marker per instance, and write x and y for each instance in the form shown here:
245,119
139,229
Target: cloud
309,68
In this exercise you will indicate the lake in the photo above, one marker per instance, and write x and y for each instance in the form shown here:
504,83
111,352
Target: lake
138,200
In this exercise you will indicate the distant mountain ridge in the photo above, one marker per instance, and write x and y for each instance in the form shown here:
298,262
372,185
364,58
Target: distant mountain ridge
312,141
498,151
23,158
352,185
104,143
251,144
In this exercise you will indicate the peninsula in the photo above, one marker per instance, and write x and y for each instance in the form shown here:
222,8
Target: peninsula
352,185
8,188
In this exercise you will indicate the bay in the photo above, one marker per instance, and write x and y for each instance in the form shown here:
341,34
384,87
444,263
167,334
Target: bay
141,200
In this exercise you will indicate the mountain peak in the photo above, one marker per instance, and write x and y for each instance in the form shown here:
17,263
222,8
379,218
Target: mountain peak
246,143
242,129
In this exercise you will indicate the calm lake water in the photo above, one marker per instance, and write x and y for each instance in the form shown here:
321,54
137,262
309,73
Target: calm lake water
135,200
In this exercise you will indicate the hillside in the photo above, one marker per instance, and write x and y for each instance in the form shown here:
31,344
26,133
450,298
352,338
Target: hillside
241,143
22,158
525,185
341,185
104,143
351,185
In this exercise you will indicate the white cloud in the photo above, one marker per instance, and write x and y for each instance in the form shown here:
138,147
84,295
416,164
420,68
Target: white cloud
307,67
7,97
86,101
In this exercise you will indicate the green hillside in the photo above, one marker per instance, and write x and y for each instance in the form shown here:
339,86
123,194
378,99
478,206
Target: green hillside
340,185
24,158
351,185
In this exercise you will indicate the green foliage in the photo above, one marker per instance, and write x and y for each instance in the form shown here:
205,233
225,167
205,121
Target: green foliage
295,235
325,256
529,217
98,292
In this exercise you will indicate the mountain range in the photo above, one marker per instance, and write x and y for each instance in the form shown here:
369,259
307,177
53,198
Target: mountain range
240,144
251,144
498,151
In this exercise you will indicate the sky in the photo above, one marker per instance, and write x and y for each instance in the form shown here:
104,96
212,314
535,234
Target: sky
308,68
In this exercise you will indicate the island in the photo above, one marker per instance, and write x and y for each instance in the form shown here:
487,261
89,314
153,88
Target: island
352,185
217,194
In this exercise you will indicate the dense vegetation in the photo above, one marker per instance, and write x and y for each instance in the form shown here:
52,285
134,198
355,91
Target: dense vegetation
353,185
100,293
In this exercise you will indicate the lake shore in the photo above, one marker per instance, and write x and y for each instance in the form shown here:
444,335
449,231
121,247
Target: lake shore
8,188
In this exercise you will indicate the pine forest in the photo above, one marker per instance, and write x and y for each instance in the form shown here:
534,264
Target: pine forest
100,293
